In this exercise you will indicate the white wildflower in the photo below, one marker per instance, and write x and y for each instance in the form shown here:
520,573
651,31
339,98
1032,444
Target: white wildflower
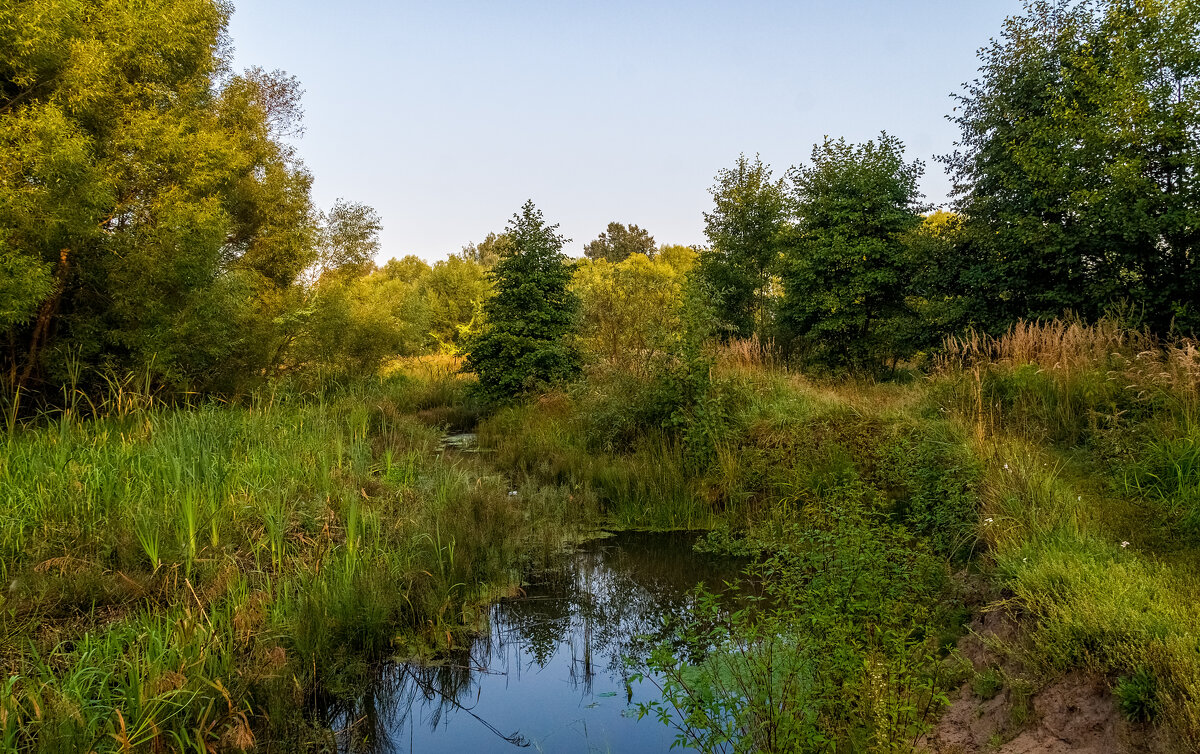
1124,545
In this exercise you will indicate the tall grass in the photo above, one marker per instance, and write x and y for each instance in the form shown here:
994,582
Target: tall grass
1092,498
193,579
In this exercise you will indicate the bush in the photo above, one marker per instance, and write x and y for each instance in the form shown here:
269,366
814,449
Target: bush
1137,696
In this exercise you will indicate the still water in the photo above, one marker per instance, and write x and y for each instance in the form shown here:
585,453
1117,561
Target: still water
550,675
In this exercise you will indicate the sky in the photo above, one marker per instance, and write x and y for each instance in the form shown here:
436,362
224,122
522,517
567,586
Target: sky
446,115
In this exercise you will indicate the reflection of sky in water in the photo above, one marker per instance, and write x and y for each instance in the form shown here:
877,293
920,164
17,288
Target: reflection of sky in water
549,676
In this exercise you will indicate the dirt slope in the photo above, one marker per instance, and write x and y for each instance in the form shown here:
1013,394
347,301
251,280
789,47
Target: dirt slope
1075,714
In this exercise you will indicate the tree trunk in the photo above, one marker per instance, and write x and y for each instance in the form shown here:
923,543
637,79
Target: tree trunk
45,314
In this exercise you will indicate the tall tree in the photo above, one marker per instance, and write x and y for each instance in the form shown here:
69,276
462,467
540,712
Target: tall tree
844,277
526,342
743,233
619,242
149,202
1075,168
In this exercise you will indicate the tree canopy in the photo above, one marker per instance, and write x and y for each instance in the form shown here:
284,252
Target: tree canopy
1075,166
843,278
619,242
148,199
743,233
527,341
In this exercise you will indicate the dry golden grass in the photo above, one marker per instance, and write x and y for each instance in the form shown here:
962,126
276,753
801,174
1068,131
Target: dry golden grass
1141,361
747,355
430,366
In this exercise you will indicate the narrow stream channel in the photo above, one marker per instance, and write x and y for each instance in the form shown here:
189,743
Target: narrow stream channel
550,675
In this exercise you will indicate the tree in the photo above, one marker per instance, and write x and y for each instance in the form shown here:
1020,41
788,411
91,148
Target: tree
456,290
1074,169
349,238
631,310
408,268
150,206
620,242
352,323
488,251
844,276
743,233
943,282
682,258
24,283
526,342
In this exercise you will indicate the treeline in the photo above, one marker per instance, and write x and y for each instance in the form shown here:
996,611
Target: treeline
1075,180
155,219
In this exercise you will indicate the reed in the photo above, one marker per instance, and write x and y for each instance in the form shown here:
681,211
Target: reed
176,572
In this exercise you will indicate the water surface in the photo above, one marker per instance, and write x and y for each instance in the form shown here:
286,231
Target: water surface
550,674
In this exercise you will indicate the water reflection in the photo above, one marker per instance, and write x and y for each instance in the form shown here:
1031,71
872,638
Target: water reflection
549,676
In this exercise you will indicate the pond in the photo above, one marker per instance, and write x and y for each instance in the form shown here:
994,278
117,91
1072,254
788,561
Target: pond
550,674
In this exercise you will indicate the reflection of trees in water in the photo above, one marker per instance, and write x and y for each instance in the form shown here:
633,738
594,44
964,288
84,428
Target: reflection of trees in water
609,601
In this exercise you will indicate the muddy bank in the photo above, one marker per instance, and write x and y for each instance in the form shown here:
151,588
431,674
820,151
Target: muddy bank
1075,713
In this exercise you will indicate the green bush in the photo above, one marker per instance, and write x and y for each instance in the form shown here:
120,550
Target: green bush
1137,696
840,650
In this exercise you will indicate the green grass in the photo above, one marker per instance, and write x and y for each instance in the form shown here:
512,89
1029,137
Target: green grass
1072,486
202,576
1090,517
189,577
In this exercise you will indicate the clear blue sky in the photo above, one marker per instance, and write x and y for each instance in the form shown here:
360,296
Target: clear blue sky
446,115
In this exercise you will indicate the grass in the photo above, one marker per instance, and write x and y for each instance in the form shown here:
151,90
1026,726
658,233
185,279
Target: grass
192,578
1060,460
209,576
1090,499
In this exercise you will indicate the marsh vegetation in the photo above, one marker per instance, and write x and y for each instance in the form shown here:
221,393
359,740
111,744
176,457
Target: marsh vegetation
260,492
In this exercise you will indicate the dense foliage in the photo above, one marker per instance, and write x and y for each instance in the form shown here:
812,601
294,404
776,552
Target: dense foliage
631,310
618,242
531,316
843,274
1076,166
150,207
742,229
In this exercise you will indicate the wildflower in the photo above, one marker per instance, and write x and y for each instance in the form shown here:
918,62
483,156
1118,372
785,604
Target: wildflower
512,493
987,520
1006,467
1124,545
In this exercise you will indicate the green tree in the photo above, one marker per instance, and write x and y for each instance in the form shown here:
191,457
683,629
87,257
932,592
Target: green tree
743,232
1074,169
408,268
150,206
530,319
350,324
456,290
619,242
844,277
631,310
349,237
942,282
488,251
24,283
